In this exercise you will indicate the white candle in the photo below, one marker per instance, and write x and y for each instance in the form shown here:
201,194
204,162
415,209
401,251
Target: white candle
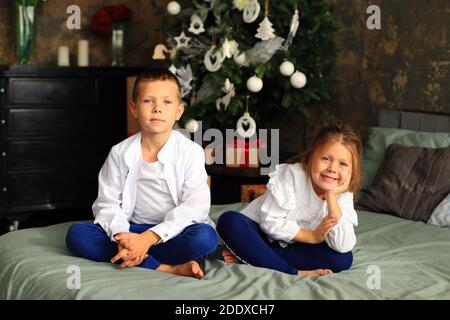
63,56
83,53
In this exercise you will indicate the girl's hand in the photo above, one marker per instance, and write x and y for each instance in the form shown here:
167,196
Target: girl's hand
323,229
341,188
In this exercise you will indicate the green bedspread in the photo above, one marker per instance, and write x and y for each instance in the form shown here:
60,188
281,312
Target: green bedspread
412,260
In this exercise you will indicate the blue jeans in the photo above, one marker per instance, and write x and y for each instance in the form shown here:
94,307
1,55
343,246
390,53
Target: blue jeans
196,242
246,239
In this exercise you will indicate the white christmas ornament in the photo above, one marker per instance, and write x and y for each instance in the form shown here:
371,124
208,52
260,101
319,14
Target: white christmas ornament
292,30
246,120
191,126
213,60
173,69
173,8
240,58
229,48
265,30
196,26
298,80
295,22
254,84
228,88
182,40
184,75
263,51
287,68
251,11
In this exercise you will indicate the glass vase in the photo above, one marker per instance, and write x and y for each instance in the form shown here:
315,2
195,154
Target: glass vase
118,44
25,30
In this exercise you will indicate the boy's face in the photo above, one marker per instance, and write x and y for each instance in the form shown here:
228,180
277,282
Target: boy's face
157,106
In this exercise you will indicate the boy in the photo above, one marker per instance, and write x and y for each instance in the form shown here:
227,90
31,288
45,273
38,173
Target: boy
155,179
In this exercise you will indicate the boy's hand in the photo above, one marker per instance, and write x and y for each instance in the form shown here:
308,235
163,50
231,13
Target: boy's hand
134,247
128,256
129,260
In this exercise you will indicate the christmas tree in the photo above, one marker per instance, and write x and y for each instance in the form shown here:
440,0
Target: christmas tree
268,56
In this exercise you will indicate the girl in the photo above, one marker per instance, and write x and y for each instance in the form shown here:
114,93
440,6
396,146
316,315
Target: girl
303,224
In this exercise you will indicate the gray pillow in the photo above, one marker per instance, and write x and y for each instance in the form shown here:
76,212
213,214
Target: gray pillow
379,139
410,182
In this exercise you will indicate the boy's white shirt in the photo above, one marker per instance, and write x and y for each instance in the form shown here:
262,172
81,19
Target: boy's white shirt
290,204
184,170
153,198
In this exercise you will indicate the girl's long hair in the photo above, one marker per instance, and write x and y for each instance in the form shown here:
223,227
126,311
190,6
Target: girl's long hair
330,134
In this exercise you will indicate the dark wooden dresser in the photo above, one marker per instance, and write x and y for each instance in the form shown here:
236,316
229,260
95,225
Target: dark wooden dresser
57,127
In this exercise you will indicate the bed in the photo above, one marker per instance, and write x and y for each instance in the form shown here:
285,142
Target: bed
394,258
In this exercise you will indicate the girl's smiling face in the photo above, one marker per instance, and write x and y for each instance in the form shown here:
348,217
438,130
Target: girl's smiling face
331,167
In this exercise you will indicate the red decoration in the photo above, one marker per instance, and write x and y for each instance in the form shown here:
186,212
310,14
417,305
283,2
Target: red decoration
104,18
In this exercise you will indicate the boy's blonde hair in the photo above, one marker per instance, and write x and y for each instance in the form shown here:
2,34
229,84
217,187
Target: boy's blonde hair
154,74
330,134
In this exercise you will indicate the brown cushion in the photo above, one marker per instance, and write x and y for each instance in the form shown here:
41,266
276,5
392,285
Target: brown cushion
410,183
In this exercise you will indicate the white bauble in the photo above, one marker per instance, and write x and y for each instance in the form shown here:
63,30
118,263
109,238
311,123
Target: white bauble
298,80
191,126
254,84
173,8
287,68
240,58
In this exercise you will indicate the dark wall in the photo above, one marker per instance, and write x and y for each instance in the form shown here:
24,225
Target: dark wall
51,16
403,65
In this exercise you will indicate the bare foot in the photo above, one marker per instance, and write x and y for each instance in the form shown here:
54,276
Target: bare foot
314,273
229,257
188,269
